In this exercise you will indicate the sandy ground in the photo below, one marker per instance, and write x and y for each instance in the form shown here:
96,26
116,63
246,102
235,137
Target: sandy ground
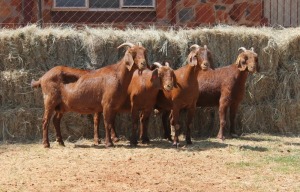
250,163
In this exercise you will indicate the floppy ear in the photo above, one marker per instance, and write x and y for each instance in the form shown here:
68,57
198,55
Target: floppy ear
155,79
210,60
128,60
241,63
192,60
174,80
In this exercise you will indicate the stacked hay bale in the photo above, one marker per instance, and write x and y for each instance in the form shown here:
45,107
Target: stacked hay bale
271,101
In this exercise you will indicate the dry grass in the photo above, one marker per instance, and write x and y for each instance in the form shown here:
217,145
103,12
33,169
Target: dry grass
252,163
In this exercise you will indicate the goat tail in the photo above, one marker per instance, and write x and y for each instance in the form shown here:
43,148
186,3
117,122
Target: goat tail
35,84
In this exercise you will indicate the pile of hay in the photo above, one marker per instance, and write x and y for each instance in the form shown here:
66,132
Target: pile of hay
271,101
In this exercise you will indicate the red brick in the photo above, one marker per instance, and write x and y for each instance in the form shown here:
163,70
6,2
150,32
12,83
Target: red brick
189,3
161,9
205,13
221,16
228,1
48,3
237,11
15,2
5,10
255,12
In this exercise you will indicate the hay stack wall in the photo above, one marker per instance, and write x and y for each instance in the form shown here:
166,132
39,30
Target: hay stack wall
272,97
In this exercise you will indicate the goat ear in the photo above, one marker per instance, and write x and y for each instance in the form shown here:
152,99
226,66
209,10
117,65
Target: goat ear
174,80
128,60
155,79
192,60
241,64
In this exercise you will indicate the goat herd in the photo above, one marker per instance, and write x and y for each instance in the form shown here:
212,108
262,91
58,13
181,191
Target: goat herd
131,85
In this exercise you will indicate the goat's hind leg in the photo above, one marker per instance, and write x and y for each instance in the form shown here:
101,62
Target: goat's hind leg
46,119
56,122
109,118
96,128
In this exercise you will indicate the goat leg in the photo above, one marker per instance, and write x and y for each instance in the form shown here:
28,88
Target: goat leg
144,121
46,119
190,116
166,125
56,122
222,115
135,118
109,117
233,111
175,127
114,135
96,128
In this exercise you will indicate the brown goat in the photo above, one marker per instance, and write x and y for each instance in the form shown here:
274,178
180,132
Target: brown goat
142,94
103,90
225,87
184,95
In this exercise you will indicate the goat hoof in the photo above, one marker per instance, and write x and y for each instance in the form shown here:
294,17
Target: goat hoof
145,140
116,139
176,144
189,142
107,145
133,143
47,145
61,144
234,135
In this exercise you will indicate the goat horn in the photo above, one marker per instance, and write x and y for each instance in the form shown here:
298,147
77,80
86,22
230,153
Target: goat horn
157,64
242,48
126,44
252,49
167,64
139,44
195,46
205,46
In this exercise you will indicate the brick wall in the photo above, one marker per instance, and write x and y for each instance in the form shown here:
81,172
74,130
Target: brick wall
190,13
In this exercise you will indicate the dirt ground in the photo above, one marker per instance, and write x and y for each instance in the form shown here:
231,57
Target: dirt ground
251,163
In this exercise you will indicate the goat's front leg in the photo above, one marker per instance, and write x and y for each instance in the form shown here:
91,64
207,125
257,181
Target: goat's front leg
135,119
189,124
109,118
166,116
56,122
175,127
233,111
222,115
144,121
96,128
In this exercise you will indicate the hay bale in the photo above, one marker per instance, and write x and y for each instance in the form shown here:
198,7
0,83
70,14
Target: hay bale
15,90
27,53
23,124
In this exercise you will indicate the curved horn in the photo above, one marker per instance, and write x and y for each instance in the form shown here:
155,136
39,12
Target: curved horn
157,64
252,49
195,46
167,64
242,48
205,46
126,44
139,44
